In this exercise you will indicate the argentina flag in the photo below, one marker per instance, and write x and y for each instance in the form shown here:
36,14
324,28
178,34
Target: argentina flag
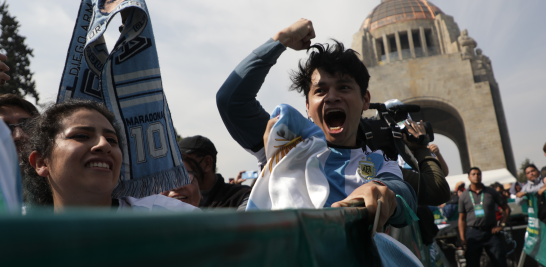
128,81
303,172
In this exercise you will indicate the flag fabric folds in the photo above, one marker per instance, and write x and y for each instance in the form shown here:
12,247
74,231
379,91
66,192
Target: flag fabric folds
128,81
292,177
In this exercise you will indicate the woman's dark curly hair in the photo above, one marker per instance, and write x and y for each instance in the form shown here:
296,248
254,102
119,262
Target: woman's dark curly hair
44,129
332,59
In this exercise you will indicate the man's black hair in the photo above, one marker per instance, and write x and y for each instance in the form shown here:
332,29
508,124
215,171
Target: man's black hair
333,59
530,165
474,168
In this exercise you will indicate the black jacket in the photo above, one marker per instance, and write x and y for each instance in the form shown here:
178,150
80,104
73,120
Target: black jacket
224,195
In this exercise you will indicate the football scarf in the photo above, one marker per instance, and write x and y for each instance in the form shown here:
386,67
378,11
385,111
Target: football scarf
128,81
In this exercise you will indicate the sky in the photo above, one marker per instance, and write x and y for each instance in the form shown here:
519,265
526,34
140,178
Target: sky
200,42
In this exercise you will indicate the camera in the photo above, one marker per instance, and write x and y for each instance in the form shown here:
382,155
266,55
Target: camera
422,139
384,131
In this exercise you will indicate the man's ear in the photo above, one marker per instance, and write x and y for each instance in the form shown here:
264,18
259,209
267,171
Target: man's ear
307,108
38,162
367,98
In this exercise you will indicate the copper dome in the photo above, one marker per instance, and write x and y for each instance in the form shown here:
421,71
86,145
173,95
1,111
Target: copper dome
392,11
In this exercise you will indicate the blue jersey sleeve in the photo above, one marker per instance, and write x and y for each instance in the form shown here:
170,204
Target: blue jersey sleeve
242,114
404,189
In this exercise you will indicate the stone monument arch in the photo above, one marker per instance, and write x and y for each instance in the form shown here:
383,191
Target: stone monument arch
417,54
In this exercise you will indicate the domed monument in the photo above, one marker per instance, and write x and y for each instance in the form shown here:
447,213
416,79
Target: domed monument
417,54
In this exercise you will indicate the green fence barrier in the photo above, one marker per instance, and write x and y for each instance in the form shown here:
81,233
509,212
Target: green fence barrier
535,242
328,237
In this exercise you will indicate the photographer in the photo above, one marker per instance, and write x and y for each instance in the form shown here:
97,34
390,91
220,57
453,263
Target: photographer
434,189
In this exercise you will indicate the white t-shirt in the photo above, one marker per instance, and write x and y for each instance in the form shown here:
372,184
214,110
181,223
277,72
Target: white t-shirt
155,203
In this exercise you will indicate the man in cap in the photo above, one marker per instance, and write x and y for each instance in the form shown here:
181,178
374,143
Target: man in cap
216,193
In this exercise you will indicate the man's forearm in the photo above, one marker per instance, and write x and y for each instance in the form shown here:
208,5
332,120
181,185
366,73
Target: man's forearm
443,164
462,227
430,171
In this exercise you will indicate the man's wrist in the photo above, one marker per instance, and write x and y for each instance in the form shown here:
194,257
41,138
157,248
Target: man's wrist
283,37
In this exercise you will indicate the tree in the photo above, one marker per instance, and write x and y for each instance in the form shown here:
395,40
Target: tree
521,174
13,46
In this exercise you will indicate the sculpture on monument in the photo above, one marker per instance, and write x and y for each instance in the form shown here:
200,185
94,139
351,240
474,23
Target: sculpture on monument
467,45
482,61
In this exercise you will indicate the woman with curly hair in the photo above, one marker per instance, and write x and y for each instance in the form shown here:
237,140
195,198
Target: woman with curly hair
74,158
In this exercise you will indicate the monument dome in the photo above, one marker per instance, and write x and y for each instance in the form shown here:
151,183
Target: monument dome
392,11
417,54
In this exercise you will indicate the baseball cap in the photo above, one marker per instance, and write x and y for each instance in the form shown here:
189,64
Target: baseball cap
197,144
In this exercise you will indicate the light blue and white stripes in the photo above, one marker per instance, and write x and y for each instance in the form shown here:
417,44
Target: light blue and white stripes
128,81
303,172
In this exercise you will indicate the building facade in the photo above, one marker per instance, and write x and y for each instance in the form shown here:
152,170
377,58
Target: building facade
417,54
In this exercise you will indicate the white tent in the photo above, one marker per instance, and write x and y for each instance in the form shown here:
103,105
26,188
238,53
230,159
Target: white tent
488,177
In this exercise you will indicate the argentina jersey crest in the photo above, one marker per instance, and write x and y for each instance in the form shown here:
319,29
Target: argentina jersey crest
348,169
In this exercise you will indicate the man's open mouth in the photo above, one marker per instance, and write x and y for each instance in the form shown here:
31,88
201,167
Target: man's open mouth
335,119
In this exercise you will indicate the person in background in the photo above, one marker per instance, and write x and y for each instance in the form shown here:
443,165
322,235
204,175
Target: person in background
498,187
506,192
216,193
189,193
436,189
15,111
515,188
436,152
237,180
451,208
74,157
533,185
543,174
477,207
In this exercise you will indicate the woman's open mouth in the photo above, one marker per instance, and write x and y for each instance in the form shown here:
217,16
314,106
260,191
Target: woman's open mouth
335,119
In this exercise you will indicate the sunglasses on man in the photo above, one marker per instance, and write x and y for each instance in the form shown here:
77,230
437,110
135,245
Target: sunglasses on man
20,124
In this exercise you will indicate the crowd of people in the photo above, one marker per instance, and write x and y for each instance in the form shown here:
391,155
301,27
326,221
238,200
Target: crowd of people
70,153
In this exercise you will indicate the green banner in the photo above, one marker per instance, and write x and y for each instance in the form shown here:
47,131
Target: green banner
535,241
411,237
327,237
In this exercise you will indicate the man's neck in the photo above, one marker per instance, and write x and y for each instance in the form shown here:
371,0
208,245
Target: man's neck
476,187
209,181
355,144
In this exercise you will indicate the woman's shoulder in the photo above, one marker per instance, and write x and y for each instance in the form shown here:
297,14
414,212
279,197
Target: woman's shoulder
155,203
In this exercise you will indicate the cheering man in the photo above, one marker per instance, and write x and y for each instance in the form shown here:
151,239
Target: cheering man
334,82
